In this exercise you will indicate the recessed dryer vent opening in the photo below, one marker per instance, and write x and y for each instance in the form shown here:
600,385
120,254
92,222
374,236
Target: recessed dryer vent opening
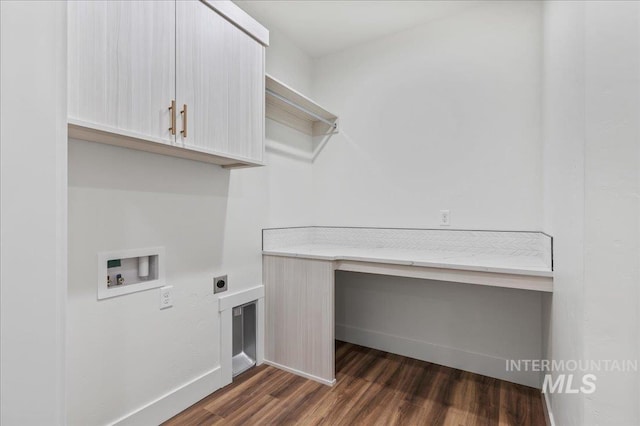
244,338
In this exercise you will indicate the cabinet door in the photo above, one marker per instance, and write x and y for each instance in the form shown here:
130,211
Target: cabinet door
121,57
220,77
202,75
246,96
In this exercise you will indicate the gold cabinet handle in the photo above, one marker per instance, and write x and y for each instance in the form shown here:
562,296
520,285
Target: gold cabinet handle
172,108
183,132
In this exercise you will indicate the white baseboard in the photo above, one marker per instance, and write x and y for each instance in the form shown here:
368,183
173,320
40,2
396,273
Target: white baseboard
546,405
468,361
177,400
173,402
301,373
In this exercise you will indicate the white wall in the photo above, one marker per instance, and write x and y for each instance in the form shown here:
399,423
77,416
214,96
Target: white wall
612,183
124,352
442,116
33,212
564,132
592,183
288,63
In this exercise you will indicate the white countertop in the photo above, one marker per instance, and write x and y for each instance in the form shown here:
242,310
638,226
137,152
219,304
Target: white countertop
508,264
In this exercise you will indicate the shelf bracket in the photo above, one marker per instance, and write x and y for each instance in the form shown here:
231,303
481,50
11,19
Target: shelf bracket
331,124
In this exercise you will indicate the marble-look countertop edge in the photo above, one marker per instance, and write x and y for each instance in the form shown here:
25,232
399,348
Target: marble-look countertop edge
473,268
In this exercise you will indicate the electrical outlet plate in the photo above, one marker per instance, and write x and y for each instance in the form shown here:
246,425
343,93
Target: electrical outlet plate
166,297
445,218
220,284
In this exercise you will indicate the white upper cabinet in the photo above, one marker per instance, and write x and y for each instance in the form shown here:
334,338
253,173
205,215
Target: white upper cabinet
122,66
246,95
220,78
202,75
128,60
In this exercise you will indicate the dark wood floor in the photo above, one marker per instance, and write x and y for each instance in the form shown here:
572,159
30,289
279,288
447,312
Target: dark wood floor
373,388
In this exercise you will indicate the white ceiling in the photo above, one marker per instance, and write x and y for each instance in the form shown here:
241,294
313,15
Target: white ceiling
321,27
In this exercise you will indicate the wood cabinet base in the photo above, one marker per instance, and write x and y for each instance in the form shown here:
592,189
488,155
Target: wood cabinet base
299,317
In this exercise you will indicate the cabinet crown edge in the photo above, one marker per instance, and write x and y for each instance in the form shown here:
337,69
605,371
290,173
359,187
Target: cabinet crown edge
240,19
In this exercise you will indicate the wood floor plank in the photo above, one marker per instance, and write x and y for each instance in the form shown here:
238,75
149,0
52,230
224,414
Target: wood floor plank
487,404
196,417
338,409
253,411
297,407
267,377
373,408
372,388
462,410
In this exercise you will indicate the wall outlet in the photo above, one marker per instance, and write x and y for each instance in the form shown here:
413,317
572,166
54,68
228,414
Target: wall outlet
445,218
220,284
166,297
